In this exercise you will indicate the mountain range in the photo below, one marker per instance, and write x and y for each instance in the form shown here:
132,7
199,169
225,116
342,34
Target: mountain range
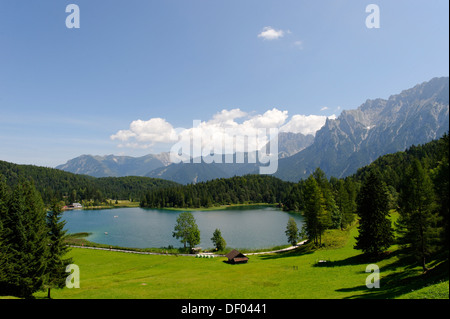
115,166
378,127
155,165
354,139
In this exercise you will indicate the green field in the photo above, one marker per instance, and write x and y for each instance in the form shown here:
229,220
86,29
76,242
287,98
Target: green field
298,275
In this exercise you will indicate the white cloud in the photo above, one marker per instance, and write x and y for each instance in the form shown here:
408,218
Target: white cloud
305,124
226,116
270,119
221,128
269,33
324,108
147,133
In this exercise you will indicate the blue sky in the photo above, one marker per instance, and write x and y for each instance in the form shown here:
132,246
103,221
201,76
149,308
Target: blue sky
66,92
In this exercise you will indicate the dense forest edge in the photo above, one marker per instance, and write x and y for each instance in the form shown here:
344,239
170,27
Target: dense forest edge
74,188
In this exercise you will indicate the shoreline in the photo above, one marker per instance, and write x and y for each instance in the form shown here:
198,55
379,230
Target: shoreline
212,208
184,254
221,207
78,240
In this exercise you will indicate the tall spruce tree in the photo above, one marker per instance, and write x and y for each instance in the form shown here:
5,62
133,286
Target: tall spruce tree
442,189
25,236
316,216
56,264
418,221
4,198
335,215
375,230
346,196
4,253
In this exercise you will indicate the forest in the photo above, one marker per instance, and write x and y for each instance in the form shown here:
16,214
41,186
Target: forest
223,191
68,187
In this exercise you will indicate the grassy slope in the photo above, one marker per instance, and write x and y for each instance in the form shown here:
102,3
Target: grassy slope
290,275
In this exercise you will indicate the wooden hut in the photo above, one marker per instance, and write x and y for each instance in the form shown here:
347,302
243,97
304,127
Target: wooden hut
235,257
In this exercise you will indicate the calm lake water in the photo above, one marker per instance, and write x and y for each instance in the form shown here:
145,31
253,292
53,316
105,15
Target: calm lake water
241,227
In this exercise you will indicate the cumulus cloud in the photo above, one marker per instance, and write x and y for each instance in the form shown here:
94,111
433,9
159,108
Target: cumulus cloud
146,133
227,116
271,118
269,33
222,128
305,124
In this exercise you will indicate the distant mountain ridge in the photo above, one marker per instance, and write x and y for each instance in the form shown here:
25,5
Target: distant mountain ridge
354,139
159,165
357,137
115,166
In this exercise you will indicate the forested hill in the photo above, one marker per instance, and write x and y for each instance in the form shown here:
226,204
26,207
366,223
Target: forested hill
222,191
54,183
392,167
339,193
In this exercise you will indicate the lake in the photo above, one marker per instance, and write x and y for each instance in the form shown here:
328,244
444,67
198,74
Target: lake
242,227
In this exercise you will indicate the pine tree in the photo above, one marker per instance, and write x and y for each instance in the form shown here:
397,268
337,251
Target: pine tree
4,254
375,230
56,268
441,182
25,237
4,197
316,216
334,214
417,222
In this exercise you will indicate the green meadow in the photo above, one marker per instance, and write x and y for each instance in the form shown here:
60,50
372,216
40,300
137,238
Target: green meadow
335,271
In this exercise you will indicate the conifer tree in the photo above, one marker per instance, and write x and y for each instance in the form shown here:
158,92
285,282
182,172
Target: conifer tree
56,268
417,222
316,216
375,230
345,203
334,214
441,182
4,254
25,236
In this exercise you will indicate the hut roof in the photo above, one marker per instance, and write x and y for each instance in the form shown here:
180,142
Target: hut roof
233,254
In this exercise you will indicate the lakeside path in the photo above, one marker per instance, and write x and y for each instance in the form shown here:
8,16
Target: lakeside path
191,255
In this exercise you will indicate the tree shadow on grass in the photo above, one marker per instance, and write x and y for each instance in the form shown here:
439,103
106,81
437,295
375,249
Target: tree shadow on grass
304,249
400,283
350,261
362,259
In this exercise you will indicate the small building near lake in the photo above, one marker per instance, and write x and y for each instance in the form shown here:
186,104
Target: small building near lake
73,206
235,257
